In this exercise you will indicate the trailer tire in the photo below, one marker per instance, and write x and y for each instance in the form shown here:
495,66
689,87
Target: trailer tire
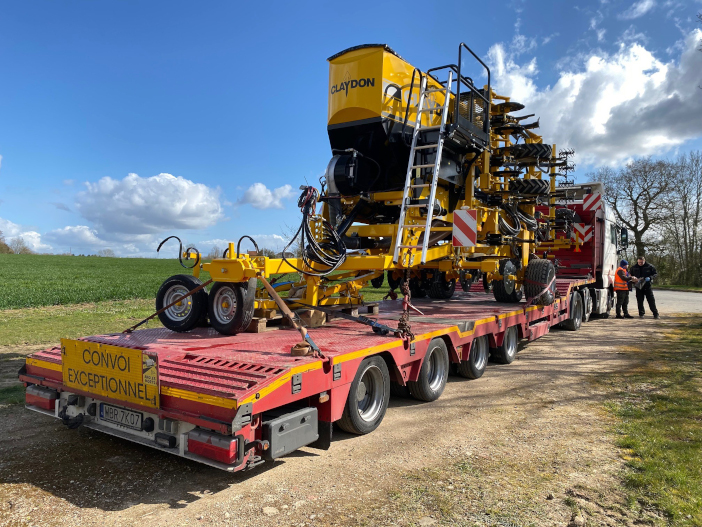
576,313
368,397
231,307
192,310
587,304
440,288
474,367
507,351
433,373
539,274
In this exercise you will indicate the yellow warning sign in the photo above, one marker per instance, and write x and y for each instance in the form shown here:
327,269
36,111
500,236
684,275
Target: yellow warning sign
103,370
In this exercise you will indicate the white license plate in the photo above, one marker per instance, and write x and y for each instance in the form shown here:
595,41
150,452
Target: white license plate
121,416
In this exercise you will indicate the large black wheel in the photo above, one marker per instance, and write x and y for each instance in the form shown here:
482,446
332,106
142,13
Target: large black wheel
576,313
441,288
474,367
587,304
433,373
529,187
368,397
539,274
377,282
231,306
505,290
533,150
417,288
393,282
507,351
186,314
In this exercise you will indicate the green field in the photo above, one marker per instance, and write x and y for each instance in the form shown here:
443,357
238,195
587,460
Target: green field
32,280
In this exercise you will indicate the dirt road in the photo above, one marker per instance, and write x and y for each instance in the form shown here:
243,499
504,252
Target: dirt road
529,443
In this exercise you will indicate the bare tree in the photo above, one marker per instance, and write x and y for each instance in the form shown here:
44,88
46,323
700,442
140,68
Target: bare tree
637,195
4,248
215,252
18,246
106,253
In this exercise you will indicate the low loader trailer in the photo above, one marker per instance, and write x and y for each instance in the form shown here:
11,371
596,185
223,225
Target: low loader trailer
234,402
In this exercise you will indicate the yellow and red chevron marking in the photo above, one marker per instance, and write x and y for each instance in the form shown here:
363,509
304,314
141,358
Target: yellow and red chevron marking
465,228
583,231
592,201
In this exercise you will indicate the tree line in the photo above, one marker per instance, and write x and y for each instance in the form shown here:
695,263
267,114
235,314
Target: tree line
660,203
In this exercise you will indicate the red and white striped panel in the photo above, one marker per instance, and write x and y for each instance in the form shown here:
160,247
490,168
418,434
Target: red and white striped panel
584,231
592,201
465,228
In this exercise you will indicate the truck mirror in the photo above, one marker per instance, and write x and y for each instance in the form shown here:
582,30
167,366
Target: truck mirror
624,239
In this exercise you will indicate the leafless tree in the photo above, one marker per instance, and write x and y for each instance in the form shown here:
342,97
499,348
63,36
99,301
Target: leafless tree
215,252
106,253
637,193
4,248
18,246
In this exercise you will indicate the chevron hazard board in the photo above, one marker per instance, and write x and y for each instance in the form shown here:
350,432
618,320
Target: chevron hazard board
584,231
592,201
465,228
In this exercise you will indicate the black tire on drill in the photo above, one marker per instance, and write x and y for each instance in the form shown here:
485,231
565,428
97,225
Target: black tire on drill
539,274
393,282
377,282
191,311
474,367
231,307
416,289
368,397
433,374
441,288
539,150
506,290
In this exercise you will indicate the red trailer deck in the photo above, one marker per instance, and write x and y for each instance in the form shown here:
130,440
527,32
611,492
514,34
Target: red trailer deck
233,401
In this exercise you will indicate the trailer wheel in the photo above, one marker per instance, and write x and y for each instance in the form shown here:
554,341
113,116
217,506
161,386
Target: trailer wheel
587,304
441,288
576,314
433,373
474,367
368,397
231,307
507,352
188,313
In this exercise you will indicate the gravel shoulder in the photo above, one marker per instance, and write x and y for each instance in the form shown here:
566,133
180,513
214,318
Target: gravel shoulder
527,444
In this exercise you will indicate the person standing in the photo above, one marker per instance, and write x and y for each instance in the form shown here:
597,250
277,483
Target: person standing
622,286
645,273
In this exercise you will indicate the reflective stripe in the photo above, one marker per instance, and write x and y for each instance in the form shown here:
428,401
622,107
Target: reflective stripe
619,284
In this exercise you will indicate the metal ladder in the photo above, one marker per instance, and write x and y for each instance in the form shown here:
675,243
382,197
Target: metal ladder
410,178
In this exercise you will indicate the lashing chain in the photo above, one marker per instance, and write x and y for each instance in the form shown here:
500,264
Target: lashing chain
403,325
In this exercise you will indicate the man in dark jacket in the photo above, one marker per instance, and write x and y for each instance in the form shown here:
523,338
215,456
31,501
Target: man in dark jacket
645,272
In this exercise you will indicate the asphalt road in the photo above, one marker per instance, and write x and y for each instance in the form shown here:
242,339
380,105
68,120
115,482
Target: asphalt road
671,302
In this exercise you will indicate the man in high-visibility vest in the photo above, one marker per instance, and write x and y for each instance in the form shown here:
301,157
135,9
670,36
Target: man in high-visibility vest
622,286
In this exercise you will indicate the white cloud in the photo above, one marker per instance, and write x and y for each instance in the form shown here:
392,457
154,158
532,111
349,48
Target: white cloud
69,182
32,238
259,196
611,107
141,206
81,237
638,9
269,241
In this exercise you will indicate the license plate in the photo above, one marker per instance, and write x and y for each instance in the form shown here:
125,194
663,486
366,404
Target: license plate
121,416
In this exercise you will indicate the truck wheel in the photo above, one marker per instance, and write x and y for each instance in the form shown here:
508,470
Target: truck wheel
433,373
587,304
505,290
441,288
231,307
539,274
507,352
576,313
368,397
188,313
474,367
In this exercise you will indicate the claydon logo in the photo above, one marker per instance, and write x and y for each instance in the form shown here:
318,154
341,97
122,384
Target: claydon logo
350,84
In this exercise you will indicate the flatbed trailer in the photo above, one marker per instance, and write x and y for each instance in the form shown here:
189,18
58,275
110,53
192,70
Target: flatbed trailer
235,401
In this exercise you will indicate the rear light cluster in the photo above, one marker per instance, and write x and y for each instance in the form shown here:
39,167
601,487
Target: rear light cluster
214,446
41,397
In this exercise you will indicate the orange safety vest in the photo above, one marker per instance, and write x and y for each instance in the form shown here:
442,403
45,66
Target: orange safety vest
619,284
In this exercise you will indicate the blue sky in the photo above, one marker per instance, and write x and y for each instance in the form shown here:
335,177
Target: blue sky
230,100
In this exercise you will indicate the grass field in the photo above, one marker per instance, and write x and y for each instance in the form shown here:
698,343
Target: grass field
659,406
32,280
